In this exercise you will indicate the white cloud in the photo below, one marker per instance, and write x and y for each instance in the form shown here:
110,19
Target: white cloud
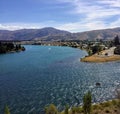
115,23
94,9
112,3
16,26
72,27
95,13
85,26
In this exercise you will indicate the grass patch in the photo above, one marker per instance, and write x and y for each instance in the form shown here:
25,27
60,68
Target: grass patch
95,58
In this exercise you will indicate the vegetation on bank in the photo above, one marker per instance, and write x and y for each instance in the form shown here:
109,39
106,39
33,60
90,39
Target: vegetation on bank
86,109
98,47
117,50
7,110
6,47
108,107
91,46
96,53
98,59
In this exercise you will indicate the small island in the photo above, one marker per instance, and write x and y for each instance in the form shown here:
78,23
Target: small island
96,52
9,47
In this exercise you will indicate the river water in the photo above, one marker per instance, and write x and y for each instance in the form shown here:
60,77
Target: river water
42,75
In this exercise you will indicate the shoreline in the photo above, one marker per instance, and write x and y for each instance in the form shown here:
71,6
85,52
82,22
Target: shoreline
110,107
103,56
13,51
99,59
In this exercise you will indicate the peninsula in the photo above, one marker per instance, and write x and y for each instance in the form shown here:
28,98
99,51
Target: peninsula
98,54
104,56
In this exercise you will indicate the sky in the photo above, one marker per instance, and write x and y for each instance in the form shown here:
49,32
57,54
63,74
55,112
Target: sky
69,15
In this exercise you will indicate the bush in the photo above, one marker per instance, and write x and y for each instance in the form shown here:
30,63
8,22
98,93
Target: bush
107,111
66,109
77,110
94,107
51,109
87,103
114,102
107,104
117,50
7,110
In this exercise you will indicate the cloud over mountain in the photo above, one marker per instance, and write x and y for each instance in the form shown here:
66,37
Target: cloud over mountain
70,15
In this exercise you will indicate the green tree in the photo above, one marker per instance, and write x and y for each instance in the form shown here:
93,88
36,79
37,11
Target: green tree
51,109
3,49
87,103
118,96
16,47
89,52
96,49
66,109
117,50
7,110
10,46
116,41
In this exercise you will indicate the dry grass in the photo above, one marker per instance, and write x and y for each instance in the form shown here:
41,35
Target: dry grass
109,107
97,58
102,57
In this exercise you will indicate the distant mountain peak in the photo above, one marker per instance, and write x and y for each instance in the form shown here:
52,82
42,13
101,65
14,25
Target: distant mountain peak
52,34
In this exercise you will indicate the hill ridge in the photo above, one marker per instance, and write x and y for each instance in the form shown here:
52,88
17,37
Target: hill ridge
53,34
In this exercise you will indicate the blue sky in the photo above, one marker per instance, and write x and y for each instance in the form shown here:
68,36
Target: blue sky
70,15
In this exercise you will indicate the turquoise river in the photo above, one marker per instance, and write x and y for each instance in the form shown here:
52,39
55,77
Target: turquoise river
42,75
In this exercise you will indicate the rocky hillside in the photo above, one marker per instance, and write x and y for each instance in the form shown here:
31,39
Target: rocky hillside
104,34
50,34
35,34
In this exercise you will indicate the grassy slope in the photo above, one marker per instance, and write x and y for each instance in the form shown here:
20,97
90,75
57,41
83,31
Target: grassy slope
109,107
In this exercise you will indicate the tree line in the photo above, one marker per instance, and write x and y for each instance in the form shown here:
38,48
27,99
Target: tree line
9,47
96,48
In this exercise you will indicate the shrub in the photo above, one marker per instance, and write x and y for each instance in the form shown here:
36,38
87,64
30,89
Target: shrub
7,110
51,109
114,102
107,111
106,104
66,109
87,103
117,50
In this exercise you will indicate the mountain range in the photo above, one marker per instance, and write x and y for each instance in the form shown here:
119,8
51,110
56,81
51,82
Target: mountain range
52,34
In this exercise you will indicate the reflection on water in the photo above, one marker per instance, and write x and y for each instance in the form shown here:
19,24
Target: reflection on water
42,75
